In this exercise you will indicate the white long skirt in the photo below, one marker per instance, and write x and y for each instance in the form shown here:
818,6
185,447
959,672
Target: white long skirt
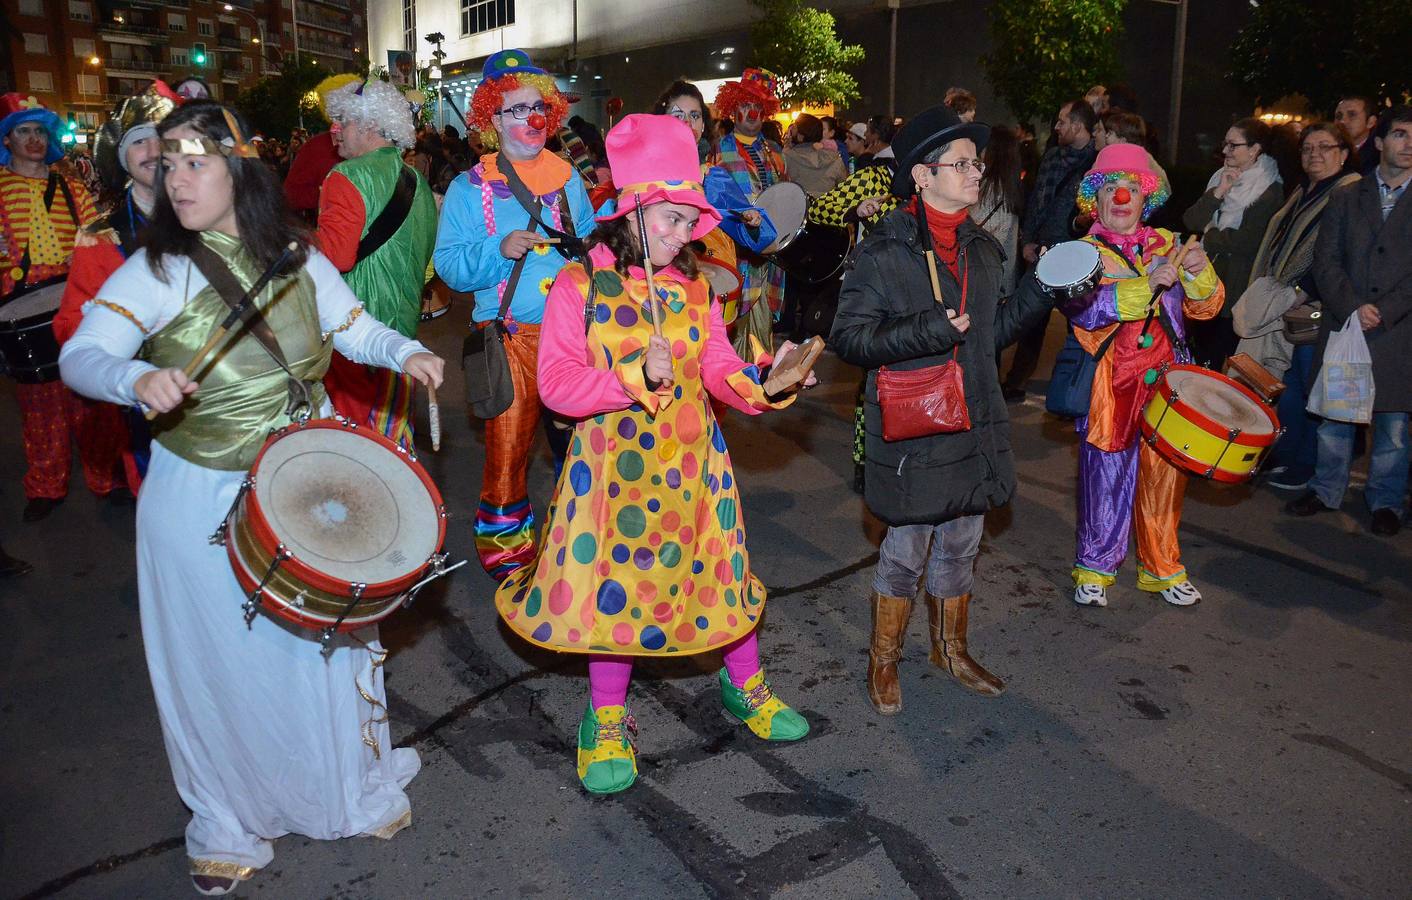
264,733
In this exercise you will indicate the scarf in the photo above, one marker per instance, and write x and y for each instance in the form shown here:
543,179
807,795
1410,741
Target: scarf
1253,182
945,242
1144,240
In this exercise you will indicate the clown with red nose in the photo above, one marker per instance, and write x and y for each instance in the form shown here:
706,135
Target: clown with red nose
493,242
1124,486
756,165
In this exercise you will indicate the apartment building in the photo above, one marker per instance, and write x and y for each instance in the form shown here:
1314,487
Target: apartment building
78,57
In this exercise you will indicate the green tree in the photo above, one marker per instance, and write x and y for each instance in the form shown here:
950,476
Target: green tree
798,44
273,103
1323,49
1046,52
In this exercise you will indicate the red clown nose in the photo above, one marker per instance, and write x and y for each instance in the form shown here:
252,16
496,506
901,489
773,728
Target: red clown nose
1122,195
537,122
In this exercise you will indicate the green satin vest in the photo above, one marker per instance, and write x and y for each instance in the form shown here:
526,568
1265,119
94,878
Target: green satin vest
389,282
242,393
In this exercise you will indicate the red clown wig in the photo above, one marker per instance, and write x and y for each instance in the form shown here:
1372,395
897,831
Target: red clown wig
489,99
754,86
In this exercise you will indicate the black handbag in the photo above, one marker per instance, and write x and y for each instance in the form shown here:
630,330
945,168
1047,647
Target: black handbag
489,390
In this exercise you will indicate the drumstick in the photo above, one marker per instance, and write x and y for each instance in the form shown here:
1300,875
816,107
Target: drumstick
1152,304
647,269
433,418
237,313
548,240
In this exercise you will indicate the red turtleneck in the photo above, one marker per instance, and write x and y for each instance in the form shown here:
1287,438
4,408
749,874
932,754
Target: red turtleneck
943,228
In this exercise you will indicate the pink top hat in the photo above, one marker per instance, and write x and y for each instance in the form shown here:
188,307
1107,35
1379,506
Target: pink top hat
653,159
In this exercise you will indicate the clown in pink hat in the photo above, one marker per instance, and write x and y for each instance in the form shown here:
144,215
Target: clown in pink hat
644,552
1124,485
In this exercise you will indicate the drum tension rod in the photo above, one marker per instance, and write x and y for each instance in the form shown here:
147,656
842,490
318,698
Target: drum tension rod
252,604
218,537
356,588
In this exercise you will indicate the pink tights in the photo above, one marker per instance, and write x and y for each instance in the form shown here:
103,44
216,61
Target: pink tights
608,676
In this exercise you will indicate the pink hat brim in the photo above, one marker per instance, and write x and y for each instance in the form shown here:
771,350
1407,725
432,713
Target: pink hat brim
710,216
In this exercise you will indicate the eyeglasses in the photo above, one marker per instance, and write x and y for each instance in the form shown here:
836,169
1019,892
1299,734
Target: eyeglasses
1231,145
1321,149
960,166
522,111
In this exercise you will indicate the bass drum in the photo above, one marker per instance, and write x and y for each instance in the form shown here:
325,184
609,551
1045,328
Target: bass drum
1209,425
29,352
436,300
817,253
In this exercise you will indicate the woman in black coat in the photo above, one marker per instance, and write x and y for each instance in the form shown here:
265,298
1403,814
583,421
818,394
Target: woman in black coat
933,491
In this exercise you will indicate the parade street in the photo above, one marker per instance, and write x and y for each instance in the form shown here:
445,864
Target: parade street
1258,744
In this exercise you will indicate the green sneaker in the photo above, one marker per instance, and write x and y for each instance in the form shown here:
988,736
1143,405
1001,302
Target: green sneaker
761,711
607,757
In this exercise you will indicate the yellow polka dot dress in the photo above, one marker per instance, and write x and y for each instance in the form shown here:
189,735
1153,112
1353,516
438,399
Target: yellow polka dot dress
643,552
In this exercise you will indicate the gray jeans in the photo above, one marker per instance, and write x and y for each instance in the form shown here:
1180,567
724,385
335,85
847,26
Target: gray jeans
947,552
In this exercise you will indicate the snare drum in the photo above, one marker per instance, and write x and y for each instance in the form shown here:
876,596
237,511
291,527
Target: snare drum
334,527
29,352
725,285
787,206
1069,270
1208,424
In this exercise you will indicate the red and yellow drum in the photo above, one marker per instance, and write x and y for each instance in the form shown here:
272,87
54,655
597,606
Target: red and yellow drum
1208,424
334,527
718,264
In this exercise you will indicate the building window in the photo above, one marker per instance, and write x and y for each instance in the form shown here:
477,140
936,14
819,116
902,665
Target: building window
205,28
32,7
89,120
79,10
246,64
486,15
41,81
36,44
245,34
409,25
176,21
84,48
87,84
180,56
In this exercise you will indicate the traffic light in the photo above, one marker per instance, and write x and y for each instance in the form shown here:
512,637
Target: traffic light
70,127
198,53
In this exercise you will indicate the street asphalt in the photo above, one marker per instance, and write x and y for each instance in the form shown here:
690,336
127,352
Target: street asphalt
1256,745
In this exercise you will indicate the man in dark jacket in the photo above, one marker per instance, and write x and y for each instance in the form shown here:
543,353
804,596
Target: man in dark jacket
932,491
1363,269
1049,218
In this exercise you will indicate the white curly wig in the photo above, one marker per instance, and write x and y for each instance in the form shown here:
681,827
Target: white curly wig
376,104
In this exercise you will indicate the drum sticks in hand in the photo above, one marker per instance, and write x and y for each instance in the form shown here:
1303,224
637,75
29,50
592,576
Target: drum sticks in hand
238,313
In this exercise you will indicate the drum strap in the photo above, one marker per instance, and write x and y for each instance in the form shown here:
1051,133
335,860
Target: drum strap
55,184
393,214
569,246
228,287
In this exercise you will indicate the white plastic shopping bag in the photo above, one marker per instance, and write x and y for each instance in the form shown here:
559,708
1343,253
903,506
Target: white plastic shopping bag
1343,389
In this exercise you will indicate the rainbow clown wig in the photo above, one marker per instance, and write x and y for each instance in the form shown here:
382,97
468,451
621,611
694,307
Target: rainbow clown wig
504,72
755,86
1128,162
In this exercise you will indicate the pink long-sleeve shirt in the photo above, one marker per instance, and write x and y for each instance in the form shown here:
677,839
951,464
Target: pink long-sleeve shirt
573,383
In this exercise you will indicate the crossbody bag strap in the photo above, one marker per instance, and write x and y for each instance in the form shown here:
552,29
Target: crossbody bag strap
393,214
229,289
569,246
511,283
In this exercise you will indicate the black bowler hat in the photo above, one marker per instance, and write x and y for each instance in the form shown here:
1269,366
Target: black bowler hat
925,132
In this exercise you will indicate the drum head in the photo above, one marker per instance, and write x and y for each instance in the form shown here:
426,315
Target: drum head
34,302
725,280
1067,264
1219,400
787,205
346,505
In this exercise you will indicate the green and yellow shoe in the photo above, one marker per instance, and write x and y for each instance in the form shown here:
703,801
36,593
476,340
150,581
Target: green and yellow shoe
758,707
607,757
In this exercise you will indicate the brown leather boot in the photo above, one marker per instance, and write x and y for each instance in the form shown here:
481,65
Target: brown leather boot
890,615
948,632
